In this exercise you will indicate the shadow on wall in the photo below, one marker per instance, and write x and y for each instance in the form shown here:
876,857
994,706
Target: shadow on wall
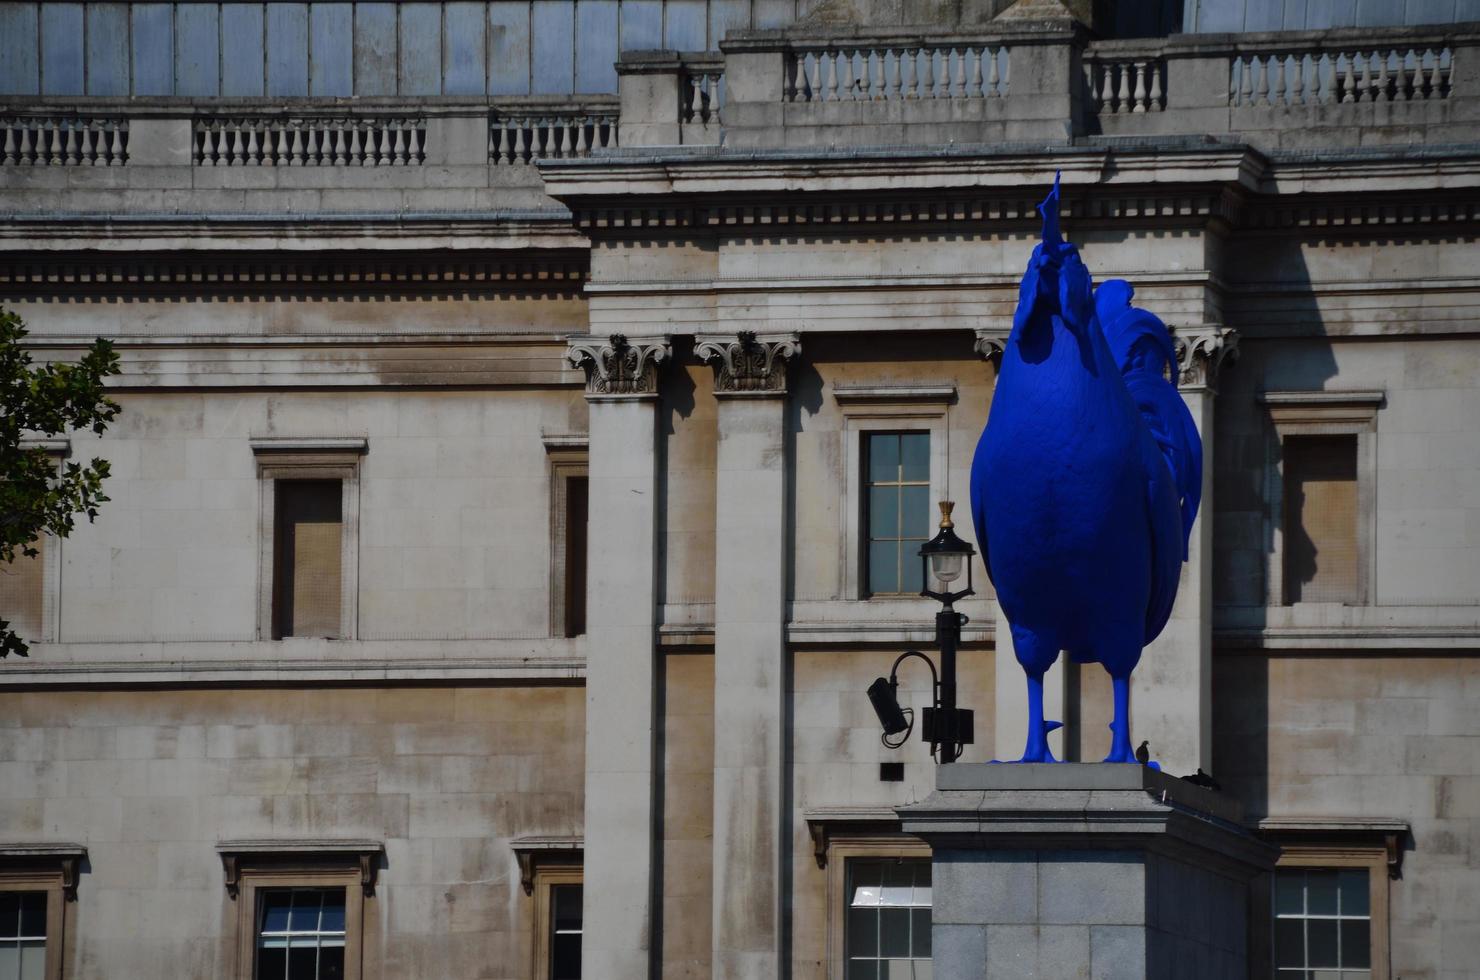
1284,346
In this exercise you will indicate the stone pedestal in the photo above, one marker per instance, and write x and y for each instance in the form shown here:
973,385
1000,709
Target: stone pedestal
1086,870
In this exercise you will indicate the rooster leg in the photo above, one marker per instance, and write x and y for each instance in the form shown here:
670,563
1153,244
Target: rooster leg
1037,747
1120,728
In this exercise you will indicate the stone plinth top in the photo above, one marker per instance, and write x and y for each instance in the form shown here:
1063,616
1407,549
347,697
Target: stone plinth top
1085,777
998,806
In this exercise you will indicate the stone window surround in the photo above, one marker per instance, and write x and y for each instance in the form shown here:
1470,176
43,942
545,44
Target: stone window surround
1322,413
568,457
53,869
543,863
58,450
886,408
840,834
1376,845
280,458
250,867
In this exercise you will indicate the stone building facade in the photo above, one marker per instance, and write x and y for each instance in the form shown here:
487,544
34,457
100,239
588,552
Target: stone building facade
529,409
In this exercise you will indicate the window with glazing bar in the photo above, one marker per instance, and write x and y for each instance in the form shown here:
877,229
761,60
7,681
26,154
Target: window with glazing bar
301,934
897,482
1322,924
565,932
887,933
22,935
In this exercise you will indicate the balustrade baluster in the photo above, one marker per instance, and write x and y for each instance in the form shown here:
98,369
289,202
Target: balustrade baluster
814,76
909,73
339,145
994,73
1436,77
295,146
69,144
928,83
1348,79
877,89
1156,91
1298,80
10,157
87,143
1261,81
28,153
975,88
1364,86
1138,95
1123,91
1277,90
955,62
1383,79
398,155
520,153
54,156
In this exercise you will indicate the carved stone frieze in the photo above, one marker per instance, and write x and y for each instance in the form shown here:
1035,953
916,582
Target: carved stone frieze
749,363
615,365
1201,351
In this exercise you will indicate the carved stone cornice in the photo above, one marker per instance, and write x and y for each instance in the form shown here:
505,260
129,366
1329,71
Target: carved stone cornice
990,344
749,364
617,366
1201,351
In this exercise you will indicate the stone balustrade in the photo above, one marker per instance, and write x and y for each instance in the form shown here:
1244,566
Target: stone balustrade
1126,82
1323,76
64,141
518,135
309,141
701,91
841,72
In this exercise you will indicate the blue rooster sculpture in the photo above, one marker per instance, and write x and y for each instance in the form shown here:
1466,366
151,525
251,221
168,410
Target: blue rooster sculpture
1086,480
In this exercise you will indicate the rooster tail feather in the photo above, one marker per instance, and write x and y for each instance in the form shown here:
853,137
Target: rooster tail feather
1143,350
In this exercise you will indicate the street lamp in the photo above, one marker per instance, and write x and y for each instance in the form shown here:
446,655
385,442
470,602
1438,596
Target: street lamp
946,727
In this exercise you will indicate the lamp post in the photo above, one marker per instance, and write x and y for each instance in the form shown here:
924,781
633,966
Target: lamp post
946,727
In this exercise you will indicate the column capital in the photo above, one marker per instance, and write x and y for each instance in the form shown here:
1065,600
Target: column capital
747,363
990,343
1202,348
617,366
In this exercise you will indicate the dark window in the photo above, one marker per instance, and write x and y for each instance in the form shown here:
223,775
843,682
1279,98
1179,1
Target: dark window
897,501
22,935
1322,924
887,934
300,934
575,555
306,598
1320,529
565,932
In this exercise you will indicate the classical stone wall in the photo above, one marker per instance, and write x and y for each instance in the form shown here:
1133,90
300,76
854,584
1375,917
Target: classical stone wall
151,780
454,512
1395,736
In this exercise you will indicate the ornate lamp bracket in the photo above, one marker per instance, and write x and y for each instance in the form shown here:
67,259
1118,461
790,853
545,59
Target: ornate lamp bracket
616,365
1202,349
749,364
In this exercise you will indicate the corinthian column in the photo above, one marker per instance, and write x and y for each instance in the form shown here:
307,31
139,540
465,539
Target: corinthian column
1172,691
621,387
749,652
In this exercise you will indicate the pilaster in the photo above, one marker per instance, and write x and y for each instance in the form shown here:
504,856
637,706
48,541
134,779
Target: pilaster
750,669
1171,692
621,701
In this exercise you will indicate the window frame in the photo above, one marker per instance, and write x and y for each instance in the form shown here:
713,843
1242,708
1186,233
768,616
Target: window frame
1335,858
251,868
546,879
839,845
309,459
568,458
51,869
866,487
881,409
1322,413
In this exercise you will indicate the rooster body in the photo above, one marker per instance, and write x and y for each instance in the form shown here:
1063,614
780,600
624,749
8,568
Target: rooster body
1086,480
